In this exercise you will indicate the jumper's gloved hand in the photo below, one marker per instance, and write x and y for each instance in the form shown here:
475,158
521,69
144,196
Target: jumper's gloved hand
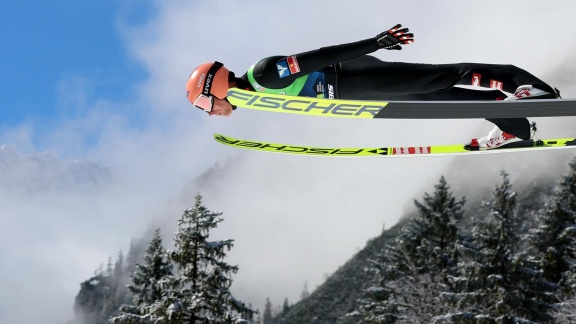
393,37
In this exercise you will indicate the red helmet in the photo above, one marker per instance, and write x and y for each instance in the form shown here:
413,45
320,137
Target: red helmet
207,81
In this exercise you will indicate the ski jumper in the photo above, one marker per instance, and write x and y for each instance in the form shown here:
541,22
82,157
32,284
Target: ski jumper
346,72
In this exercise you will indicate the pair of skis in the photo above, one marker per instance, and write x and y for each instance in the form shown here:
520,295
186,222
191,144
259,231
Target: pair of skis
398,109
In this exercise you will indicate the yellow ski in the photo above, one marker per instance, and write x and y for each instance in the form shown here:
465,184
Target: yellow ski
401,109
401,151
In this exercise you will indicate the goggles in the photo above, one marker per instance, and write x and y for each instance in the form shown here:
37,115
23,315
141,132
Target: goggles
204,102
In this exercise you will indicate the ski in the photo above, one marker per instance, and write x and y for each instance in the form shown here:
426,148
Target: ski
434,150
401,109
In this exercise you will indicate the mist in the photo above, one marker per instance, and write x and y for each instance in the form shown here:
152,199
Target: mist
76,193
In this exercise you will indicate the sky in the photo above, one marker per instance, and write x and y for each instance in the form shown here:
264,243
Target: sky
100,141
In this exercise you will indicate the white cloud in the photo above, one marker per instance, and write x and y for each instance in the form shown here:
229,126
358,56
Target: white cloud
298,211
294,218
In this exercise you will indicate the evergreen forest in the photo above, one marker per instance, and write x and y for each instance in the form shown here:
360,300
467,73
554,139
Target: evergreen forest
506,257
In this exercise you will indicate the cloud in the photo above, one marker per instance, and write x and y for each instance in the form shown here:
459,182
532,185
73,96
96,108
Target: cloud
294,218
295,212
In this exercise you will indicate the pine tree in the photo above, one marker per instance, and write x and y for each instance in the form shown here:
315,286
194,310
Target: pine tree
119,279
434,235
565,312
109,267
267,316
498,284
146,284
285,306
410,276
118,266
305,293
199,291
554,241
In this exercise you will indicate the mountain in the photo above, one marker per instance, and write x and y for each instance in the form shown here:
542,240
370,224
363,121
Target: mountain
37,172
535,181
338,295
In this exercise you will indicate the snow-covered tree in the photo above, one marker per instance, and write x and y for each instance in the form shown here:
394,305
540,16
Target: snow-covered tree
285,306
199,291
435,234
267,316
119,266
146,285
554,241
305,292
565,312
410,276
497,283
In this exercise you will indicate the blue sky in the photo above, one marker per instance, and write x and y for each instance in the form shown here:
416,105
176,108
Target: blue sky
105,80
44,42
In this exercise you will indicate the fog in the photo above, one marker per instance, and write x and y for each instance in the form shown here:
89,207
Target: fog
67,206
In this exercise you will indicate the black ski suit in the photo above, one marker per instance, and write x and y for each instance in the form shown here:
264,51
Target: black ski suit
351,74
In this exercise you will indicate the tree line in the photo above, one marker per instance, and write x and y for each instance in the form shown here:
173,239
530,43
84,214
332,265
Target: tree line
496,266
447,268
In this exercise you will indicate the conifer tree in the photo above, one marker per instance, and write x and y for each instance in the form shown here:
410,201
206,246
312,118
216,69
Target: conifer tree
410,277
498,284
434,235
119,279
267,316
109,267
285,306
305,293
119,266
554,241
565,312
146,286
199,290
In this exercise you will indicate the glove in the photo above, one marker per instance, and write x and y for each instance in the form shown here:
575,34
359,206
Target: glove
392,38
